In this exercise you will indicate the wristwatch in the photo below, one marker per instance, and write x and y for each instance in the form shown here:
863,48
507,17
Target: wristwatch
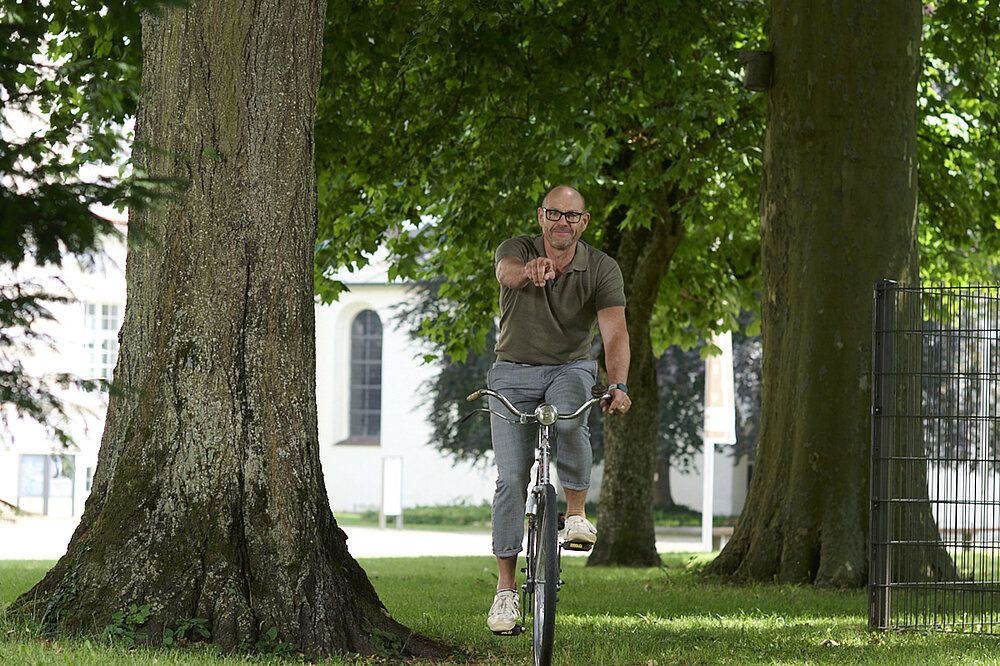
621,387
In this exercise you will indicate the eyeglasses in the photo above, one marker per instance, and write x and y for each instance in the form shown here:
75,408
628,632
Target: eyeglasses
553,215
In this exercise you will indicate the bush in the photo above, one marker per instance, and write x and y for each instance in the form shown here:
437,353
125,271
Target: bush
464,515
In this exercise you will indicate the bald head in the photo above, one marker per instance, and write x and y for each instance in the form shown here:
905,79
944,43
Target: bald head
562,192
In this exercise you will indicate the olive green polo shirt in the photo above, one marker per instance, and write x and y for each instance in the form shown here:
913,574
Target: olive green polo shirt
554,324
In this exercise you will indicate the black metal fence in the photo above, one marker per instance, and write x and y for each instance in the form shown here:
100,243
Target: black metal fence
935,485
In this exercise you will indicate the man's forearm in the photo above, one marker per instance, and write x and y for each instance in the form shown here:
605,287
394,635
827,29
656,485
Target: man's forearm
511,274
616,359
614,335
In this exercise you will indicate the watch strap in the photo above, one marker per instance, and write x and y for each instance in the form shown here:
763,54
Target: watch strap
621,387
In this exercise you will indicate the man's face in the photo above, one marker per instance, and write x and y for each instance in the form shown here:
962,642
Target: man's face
560,233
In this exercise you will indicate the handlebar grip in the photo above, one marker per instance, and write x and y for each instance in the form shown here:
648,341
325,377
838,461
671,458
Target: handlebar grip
472,397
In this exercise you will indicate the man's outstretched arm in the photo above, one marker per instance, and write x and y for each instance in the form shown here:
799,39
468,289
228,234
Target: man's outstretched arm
515,274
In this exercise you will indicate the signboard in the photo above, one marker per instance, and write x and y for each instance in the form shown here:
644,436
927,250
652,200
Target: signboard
720,425
392,490
720,393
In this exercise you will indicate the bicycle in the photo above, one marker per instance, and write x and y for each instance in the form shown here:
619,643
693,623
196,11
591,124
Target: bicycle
544,553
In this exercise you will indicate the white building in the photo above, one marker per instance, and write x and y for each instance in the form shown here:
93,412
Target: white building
37,473
732,479
372,390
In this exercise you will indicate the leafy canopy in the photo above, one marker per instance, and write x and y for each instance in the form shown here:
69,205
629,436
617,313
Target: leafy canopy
959,142
442,124
69,79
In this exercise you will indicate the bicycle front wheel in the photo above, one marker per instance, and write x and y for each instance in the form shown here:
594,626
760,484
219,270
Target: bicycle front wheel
546,566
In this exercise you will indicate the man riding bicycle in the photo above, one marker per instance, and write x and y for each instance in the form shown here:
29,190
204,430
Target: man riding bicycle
553,289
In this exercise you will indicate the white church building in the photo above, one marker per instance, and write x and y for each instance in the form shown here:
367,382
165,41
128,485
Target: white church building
372,390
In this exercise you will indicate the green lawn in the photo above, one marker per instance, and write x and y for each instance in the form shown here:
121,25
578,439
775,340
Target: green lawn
661,616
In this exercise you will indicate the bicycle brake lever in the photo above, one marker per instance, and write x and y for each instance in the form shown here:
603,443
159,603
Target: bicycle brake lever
467,416
488,411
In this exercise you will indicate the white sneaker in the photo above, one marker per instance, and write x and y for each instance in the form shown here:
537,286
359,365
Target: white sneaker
579,530
505,611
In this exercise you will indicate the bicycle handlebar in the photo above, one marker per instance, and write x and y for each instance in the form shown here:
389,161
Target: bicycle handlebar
598,392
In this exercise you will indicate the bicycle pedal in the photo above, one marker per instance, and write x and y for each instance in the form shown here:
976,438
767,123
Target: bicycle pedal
576,545
516,631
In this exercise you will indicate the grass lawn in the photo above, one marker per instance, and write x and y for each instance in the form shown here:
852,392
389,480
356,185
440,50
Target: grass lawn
659,616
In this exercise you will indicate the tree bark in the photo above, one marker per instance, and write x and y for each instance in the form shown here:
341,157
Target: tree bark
662,495
838,212
208,499
625,509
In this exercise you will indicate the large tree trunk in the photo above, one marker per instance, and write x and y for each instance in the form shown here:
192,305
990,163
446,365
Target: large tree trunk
208,500
625,509
662,495
838,212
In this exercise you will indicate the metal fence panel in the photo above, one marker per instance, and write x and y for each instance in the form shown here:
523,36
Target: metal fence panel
934,558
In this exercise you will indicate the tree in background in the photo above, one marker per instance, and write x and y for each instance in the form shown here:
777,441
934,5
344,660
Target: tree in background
68,82
681,377
838,212
208,498
839,206
448,123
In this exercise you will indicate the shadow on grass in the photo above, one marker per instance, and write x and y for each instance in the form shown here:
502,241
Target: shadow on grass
661,616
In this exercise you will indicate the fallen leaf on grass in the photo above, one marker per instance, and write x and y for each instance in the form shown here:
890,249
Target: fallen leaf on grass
55,647
829,642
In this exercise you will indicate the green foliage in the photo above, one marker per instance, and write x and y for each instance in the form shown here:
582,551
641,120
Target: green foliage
125,625
447,122
268,642
959,142
69,80
385,642
191,630
66,590
458,514
443,124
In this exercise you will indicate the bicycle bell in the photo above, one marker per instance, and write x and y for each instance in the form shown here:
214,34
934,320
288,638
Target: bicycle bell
546,414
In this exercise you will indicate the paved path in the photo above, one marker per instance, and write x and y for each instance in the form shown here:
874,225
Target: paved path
46,539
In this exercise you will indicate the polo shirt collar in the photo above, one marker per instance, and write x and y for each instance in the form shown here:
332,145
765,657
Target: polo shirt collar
581,258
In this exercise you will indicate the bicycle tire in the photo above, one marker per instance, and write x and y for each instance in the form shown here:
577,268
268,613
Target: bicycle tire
546,573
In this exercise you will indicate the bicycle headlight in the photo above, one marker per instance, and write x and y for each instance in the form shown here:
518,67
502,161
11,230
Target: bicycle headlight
547,414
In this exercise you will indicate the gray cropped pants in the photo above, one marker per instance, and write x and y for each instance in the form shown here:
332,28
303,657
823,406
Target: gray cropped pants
527,386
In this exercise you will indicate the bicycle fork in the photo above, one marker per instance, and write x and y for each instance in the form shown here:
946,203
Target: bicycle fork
543,453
